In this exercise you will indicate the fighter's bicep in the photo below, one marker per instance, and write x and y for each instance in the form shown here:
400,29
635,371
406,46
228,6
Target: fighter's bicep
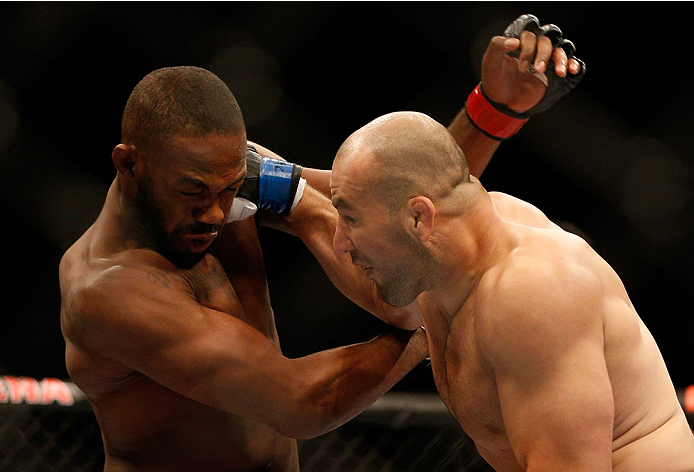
545,347
161,331
559,413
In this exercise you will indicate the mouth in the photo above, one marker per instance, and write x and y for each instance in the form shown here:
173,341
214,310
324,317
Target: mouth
207,237
200,241
366,268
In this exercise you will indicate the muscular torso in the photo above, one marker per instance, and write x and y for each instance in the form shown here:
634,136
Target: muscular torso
650,432
147,427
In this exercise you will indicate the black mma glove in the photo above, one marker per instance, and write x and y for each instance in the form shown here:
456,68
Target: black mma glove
557,86
269,184
498,121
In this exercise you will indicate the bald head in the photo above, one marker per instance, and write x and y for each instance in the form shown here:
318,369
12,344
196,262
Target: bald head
183,100
404,154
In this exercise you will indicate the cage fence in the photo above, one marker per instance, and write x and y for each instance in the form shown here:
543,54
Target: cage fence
48,426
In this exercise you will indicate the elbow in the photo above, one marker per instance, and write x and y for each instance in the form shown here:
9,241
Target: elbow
313,413
307,424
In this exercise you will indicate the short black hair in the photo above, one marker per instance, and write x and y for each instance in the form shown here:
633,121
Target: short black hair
184,100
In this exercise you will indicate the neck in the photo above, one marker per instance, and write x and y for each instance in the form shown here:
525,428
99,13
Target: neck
469,243
131,228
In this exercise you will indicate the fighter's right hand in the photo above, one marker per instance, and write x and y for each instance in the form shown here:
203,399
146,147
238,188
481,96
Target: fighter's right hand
530,67
524,72
269,184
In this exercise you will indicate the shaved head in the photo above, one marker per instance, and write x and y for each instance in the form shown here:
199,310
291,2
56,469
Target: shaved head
405,154
390,180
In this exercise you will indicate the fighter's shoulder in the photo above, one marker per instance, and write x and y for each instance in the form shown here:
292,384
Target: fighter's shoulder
534,295
547,264
107,284
519,211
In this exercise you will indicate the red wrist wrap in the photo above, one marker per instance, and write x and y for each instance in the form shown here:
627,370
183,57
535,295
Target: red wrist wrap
489,120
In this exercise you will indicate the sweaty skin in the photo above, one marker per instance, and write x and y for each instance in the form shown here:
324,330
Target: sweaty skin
182,363
547,297
144,424
535,346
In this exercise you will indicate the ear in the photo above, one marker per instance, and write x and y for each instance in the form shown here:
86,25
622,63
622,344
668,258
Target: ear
125,157
420,215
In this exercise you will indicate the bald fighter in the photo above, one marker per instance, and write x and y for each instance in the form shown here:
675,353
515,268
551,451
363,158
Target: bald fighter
536,348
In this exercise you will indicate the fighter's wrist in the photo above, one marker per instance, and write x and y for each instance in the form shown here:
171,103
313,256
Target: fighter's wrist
279,185
270,184
492,119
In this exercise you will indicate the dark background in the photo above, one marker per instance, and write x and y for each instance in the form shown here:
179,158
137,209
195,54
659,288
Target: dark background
612,160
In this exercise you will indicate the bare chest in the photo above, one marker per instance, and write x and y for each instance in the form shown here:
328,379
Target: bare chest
465,383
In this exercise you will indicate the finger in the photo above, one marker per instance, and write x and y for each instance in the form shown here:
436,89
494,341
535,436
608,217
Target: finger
510,44
543,54
502,45
527,50
560,62
576,66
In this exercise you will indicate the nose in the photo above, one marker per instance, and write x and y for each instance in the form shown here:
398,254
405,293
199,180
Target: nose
341,241
211,213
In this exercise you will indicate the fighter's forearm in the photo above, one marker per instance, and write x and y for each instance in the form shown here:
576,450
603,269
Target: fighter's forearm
314,222
358,376
477,147
319,179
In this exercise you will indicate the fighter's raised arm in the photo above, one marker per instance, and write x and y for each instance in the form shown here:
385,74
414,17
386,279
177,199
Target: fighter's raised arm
524,72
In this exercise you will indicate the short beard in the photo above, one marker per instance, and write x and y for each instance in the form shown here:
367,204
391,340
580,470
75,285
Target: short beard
394,294
409,280
181,259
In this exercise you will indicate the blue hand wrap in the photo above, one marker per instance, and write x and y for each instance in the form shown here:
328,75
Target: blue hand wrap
274,184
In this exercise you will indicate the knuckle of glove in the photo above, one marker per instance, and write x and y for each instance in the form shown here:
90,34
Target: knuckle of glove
568,47
552,32
557,86
522,23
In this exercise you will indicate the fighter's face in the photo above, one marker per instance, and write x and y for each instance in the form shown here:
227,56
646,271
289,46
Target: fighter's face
375,238
186,189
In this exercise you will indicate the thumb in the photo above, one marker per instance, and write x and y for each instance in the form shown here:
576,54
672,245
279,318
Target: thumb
502,45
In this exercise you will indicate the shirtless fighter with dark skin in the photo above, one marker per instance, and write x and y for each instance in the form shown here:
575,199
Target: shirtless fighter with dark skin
178,353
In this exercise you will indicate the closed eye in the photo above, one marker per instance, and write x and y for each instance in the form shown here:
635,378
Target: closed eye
348,220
